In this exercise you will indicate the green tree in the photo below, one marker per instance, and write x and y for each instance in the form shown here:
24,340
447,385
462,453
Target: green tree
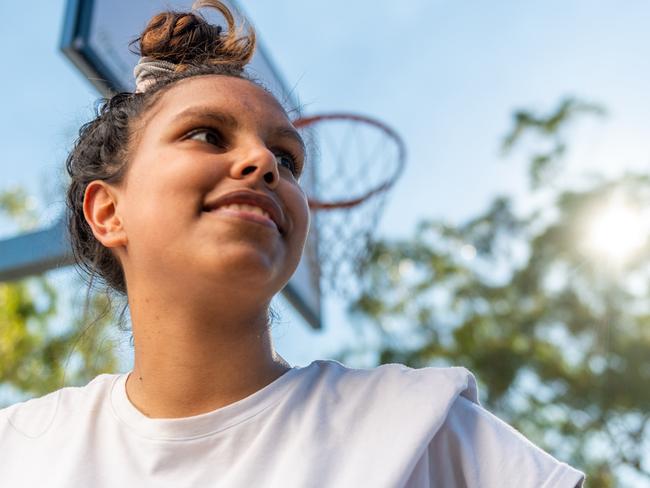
558,338
33,359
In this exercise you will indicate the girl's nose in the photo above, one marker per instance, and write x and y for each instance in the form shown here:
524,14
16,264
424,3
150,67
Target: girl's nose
259,162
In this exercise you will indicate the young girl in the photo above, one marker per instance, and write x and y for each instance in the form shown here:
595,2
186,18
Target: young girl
185,197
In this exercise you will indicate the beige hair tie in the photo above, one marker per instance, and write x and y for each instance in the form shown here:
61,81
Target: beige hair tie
147,70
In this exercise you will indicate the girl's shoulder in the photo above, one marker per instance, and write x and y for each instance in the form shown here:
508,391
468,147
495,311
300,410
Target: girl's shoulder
33,417
435,411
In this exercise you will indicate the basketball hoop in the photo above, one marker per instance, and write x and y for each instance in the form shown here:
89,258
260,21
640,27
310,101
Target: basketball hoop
356,160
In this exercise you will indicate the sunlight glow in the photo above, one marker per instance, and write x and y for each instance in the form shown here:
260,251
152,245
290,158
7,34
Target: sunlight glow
468,252
617,232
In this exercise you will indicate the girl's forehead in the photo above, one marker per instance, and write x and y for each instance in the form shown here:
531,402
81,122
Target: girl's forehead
241,97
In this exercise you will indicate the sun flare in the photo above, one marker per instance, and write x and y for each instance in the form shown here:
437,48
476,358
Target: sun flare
616,232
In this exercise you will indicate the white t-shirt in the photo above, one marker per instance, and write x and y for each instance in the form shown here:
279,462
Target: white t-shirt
323,425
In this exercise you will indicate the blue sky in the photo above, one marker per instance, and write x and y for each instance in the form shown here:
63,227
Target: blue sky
445,75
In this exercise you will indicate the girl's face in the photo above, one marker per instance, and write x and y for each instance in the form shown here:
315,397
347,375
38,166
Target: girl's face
211,193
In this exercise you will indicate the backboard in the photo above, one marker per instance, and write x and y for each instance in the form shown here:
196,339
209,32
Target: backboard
96,39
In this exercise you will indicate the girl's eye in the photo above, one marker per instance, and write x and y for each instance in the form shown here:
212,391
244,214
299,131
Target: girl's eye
287,161
207,135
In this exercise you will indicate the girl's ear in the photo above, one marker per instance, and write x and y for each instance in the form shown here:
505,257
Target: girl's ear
100,211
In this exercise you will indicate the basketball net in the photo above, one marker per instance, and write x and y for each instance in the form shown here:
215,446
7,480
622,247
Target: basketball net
356,161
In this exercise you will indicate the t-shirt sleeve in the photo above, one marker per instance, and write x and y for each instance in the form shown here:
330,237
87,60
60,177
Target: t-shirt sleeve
474,448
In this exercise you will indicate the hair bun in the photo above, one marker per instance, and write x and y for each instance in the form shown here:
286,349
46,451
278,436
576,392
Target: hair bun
188,39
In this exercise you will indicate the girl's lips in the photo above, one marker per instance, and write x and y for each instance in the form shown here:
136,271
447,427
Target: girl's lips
246,215
249,197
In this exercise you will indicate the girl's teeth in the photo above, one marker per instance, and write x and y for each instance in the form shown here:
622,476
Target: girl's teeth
247,208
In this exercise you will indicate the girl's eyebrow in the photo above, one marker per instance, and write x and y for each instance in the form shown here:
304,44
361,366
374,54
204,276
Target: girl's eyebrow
220,118
228,120
291,133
